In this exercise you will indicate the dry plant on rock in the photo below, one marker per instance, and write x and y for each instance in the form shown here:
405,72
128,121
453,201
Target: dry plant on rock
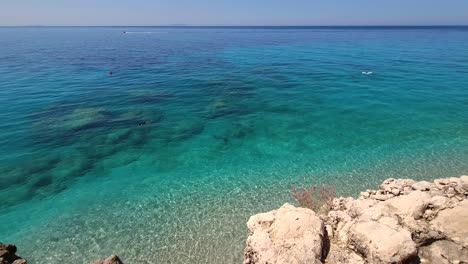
319,199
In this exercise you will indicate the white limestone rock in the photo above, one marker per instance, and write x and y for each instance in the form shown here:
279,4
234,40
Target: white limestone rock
380,243
422,186
287,235
453,222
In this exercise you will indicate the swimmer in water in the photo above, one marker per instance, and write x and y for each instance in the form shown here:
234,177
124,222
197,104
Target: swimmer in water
144,123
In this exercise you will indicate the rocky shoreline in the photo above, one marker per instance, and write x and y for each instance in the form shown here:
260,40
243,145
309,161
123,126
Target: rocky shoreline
403,222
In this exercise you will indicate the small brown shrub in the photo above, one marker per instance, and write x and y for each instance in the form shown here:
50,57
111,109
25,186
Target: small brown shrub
319,199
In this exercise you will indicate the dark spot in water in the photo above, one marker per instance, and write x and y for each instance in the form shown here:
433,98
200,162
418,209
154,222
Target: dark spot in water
189,131
144,123
117,137
76,166
43,181
237,130
139,116
19,172
223,138
54,239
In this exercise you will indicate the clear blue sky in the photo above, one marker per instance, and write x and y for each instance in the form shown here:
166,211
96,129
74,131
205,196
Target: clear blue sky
234,12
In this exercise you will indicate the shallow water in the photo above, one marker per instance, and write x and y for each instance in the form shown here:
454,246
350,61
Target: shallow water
198,128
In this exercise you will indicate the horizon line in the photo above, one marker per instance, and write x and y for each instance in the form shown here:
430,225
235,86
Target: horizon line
184,25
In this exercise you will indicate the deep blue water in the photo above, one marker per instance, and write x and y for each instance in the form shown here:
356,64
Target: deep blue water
198,128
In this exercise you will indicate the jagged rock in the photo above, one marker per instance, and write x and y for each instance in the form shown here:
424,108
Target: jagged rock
8,255
381,244
113,259
443,252
407,189
381,197
439,202
287,235
340,221
412,205
422,186
395,191
365,194
454,180
357,208
464,182
453,223
441,181
390,225
399,184
339,255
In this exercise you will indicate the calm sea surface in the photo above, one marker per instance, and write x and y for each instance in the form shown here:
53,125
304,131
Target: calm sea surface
198,128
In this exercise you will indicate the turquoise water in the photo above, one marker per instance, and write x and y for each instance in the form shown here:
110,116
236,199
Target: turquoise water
198,128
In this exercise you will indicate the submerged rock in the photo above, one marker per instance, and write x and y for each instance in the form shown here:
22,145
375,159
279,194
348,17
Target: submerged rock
221,108
77,119
182,130
237,131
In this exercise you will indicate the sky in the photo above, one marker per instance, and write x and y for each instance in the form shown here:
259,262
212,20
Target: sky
233,12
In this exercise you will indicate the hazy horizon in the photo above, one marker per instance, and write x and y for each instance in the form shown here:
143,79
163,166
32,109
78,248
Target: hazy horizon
240,26
230,13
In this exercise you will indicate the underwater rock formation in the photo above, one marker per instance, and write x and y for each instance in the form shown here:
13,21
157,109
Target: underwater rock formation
178,131
76,139
226,107
236,131
403,222
76,119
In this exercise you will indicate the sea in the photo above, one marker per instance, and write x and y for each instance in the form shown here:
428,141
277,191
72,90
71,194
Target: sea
158,143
